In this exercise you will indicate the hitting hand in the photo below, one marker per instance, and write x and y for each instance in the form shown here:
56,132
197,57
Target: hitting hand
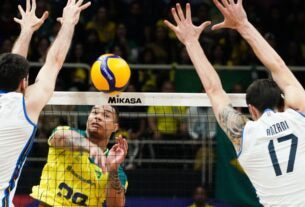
117,154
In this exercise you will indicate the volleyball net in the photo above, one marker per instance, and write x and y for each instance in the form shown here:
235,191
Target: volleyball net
171,138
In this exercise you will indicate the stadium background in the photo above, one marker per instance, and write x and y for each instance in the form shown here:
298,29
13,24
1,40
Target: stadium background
134,30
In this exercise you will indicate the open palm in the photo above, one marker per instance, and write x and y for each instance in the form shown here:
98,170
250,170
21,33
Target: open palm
29,20
233,13
117,154
185,30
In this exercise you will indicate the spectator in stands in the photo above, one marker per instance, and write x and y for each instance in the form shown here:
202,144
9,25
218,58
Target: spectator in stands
201,123
46,29
93,46
41,49
184,58
200,198
146,80
54,31
78,54
119,50
161,45
218,55
7,24
129,46
201,126
165,123
132,128
6,46
78,78
104,27
134,21
293,54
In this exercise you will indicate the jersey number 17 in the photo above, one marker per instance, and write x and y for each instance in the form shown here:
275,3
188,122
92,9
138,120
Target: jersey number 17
293,151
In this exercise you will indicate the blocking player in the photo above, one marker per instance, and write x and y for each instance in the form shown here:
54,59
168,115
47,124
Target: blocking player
21,104
76,174
271,148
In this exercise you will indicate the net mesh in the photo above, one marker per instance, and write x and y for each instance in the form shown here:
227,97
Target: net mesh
171,140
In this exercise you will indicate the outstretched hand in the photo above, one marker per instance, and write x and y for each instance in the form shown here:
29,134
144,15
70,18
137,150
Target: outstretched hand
29,21
117,154
185,30
72,11
234,14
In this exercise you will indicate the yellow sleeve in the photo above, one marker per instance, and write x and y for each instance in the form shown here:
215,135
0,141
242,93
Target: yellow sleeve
59,128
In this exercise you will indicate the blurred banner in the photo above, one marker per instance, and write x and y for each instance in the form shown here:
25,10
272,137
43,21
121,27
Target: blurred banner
232,184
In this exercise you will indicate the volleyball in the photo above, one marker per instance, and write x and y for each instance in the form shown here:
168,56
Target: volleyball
110,73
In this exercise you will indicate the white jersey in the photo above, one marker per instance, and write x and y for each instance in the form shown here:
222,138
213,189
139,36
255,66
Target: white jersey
16,138
273,156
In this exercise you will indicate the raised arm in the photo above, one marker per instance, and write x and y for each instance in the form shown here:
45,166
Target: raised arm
231,121
29,23
38,94
235,17
115,188
67,138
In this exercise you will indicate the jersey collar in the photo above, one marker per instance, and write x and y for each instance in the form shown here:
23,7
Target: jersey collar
268,110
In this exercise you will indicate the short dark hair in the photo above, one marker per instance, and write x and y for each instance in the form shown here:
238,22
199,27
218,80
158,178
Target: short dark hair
13,68
264,94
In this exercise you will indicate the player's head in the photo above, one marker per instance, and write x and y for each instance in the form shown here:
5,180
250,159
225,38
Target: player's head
263,94
14,70
102,122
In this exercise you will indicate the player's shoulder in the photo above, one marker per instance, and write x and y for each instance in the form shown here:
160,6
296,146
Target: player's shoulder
294,112
65,129
11,96
68,128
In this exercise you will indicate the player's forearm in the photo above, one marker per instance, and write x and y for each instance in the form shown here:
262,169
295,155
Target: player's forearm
59,49
115,191
206,72
70,139
260,46
21,46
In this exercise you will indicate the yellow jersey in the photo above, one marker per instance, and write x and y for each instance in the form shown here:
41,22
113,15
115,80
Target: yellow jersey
70,178
167,123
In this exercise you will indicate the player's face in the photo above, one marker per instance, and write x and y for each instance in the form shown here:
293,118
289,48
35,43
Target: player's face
102,122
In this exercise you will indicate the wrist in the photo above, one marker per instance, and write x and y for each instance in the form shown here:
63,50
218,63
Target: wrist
68,22
243,26
26,31
191,42
113,169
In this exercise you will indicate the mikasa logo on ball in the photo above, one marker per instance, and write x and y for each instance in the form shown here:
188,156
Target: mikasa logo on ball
117,99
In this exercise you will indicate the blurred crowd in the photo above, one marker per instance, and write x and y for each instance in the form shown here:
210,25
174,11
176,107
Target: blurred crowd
134,30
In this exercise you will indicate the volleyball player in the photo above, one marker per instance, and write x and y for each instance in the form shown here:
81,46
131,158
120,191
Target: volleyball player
21,104
271,148
75,173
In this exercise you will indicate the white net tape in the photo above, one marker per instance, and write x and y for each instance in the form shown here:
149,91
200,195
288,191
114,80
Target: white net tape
139,99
